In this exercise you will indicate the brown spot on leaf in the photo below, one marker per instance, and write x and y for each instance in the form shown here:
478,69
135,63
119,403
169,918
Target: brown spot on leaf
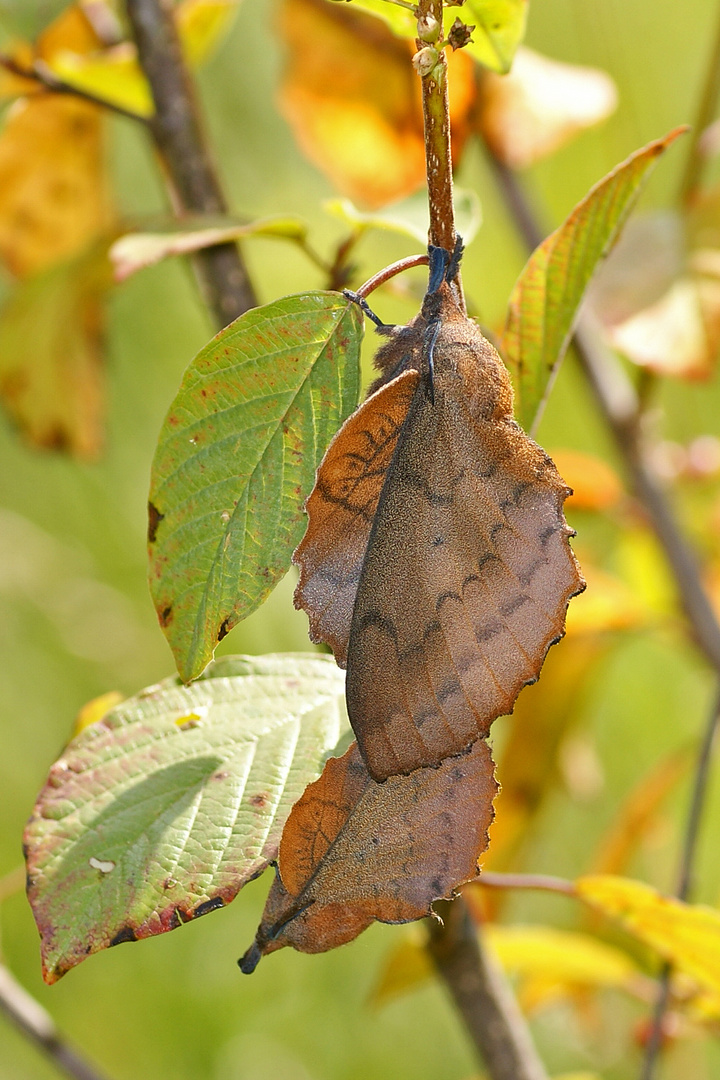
207,906
154,519
260,800
126,934
166,615
225,627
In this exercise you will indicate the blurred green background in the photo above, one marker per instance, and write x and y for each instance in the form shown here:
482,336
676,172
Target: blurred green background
77,620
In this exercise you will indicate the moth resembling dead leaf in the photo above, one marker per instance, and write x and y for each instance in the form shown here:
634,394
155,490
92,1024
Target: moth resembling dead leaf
353,100
354,851
436,561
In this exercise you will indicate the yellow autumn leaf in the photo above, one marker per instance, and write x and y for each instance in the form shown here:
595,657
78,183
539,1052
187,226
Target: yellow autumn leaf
50,354
53,195
548,964
95,709
353,100
553,964
596,486
114,74
639,812
686,935
71,30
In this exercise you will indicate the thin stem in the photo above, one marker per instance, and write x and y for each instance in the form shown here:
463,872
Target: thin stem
545,882
436,114
43,75
180,141
706,111
482,995
391,271
30,1017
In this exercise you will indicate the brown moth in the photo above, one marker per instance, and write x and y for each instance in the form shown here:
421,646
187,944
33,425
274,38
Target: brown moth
436,562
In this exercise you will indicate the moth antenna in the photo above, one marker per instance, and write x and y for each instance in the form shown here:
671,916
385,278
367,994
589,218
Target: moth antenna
362,303
439,258
435,330
453,265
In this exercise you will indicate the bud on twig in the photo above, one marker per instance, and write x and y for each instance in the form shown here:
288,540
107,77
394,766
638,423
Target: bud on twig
425,60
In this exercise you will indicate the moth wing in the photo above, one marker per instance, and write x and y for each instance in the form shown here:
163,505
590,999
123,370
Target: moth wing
465,586
341,509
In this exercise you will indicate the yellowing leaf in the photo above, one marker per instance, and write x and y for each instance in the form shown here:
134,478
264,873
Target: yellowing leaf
95,710
638,813
548,293
138,250
53,198
548,964
71,30
114,74
202,24
353,100
686,935
407,966
50,354
679,335
608,603
554,964
595,485
499,29
540,105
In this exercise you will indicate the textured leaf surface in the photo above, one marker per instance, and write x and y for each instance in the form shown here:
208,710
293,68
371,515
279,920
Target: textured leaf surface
162,810
236,459
547,295
686,935
51,378
353,850
135,251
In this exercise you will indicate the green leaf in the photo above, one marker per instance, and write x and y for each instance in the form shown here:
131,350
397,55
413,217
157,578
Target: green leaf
547,295
28,18
161,811
499,30
499,26
135,251
236,458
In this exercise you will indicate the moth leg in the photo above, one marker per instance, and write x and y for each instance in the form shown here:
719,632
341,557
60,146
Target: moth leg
453,265
365,308
439,259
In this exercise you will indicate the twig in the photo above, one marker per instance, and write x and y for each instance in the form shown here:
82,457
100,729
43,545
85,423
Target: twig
482,996
30,1017
546,882
436,114
43,75
389,272
181,144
